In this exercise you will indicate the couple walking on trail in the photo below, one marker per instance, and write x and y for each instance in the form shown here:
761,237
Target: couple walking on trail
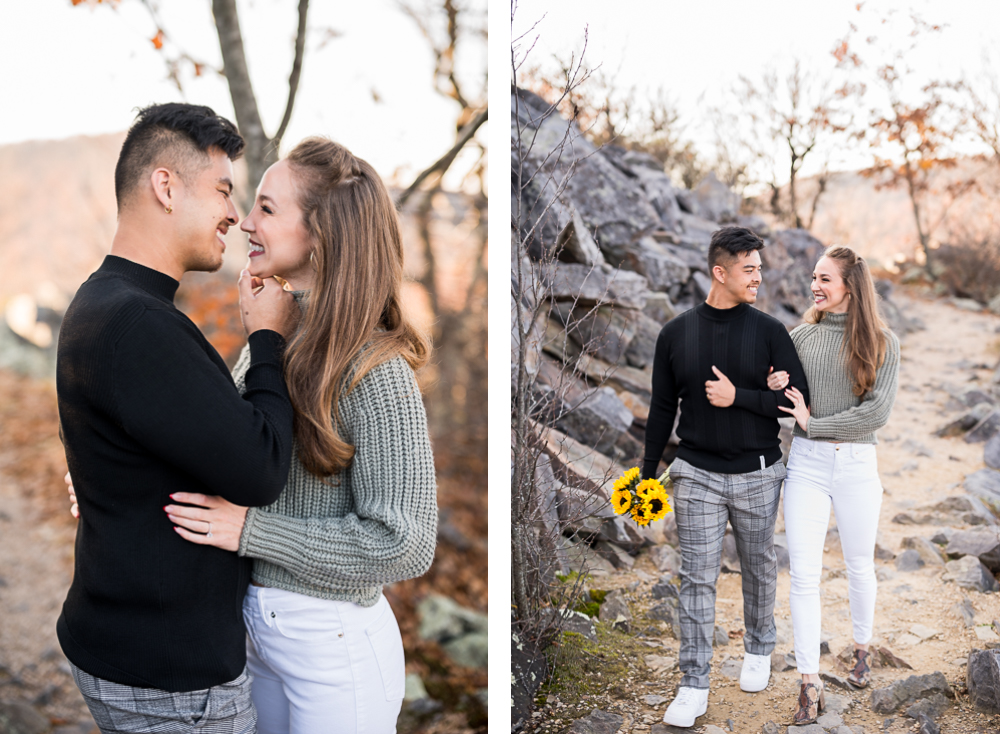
236,528
736,370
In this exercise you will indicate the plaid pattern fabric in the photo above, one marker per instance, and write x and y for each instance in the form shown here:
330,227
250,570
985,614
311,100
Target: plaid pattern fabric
222,709
703,502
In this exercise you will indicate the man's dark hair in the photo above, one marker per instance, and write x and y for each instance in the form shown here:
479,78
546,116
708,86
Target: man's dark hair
173,135
729,243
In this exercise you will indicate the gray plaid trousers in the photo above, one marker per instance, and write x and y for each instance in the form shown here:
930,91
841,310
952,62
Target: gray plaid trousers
117,708
703,502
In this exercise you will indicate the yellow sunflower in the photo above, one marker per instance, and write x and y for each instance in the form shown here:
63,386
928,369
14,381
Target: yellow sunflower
647,487
621,500
640,513
657,503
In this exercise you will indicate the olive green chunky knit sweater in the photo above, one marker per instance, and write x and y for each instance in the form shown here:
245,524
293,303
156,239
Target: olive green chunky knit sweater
837,414
372,524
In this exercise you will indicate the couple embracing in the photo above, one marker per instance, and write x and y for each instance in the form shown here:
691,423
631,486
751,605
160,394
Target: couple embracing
236,528
736,371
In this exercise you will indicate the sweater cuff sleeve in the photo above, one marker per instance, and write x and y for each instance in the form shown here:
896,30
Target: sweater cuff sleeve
746,399
649,467
248,528
266,346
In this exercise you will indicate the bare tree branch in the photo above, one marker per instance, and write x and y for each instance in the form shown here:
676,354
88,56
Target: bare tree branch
293,79
442,164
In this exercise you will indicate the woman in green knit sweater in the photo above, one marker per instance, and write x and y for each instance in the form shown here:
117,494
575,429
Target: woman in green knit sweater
851,361
359,509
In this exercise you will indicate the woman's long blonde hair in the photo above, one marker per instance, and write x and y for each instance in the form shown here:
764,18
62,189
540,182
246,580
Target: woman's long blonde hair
864,341
358,258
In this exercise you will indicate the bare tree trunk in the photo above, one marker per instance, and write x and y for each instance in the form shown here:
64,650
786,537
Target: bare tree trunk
921,234
793,203
261,150
821,181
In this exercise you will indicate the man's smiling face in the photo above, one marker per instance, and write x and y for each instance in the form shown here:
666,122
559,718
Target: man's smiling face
743,276
207,212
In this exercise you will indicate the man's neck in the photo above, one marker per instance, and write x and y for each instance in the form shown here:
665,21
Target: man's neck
147,247
720,299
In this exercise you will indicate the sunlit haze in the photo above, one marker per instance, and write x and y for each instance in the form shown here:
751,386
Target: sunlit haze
83,71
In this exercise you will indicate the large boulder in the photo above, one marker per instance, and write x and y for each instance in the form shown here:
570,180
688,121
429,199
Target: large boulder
575,243
603,331
593,285
982,676
983,543
715,200
985,484
577,465
969,573
443,619
642,348
696,232
903,692
659,265
593,416
461,632
656,183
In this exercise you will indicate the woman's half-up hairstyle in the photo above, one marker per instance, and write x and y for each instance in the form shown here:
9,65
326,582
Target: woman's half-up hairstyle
864,341
355,301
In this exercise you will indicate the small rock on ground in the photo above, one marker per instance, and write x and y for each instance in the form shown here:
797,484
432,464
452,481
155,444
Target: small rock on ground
596,722
830,720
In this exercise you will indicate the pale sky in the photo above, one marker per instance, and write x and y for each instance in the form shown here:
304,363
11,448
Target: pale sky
696,50
83,70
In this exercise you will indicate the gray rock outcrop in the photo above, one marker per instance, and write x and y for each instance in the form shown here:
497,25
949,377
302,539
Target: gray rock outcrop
910,690
982,677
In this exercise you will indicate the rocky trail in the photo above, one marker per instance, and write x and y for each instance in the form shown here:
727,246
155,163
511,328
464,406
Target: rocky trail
932,610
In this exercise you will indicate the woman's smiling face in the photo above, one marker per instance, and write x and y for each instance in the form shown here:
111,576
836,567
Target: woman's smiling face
829,291
279,242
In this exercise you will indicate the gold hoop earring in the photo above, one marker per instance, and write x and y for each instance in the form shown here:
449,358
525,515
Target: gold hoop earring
169,209
312,259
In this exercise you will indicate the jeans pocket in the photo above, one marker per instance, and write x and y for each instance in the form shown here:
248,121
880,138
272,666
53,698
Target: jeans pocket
314,624
387,647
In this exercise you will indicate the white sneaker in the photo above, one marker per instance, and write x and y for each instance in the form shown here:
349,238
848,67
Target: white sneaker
756,672
688,706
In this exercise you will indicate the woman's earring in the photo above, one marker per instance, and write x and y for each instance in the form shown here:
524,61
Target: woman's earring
312,259
169,209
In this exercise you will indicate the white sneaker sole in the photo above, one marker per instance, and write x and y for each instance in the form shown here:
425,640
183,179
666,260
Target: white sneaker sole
751,687
683,723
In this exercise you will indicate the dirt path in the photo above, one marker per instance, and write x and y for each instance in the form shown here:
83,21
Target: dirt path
37,553
957,350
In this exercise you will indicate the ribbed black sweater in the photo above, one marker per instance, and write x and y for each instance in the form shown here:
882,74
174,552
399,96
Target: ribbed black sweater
743,343
147,408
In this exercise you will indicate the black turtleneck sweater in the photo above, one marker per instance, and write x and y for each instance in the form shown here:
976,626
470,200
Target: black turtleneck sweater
743,343
147,408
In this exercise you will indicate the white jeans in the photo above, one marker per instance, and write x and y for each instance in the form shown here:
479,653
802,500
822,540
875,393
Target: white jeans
846,475
322,666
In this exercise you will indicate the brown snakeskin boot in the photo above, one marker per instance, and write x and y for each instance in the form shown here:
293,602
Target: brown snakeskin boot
861,673
811,702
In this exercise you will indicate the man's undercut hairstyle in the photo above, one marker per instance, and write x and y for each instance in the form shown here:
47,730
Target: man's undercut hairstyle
729,243
176,136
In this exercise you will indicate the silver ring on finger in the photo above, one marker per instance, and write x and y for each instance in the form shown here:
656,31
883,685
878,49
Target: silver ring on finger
209,531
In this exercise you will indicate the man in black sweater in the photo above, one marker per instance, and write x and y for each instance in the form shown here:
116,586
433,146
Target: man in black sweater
714,360
152,624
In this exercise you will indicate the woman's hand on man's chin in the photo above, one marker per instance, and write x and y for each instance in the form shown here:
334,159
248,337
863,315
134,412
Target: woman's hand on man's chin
212,521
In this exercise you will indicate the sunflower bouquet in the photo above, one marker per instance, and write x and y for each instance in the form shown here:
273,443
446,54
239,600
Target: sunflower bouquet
646,499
